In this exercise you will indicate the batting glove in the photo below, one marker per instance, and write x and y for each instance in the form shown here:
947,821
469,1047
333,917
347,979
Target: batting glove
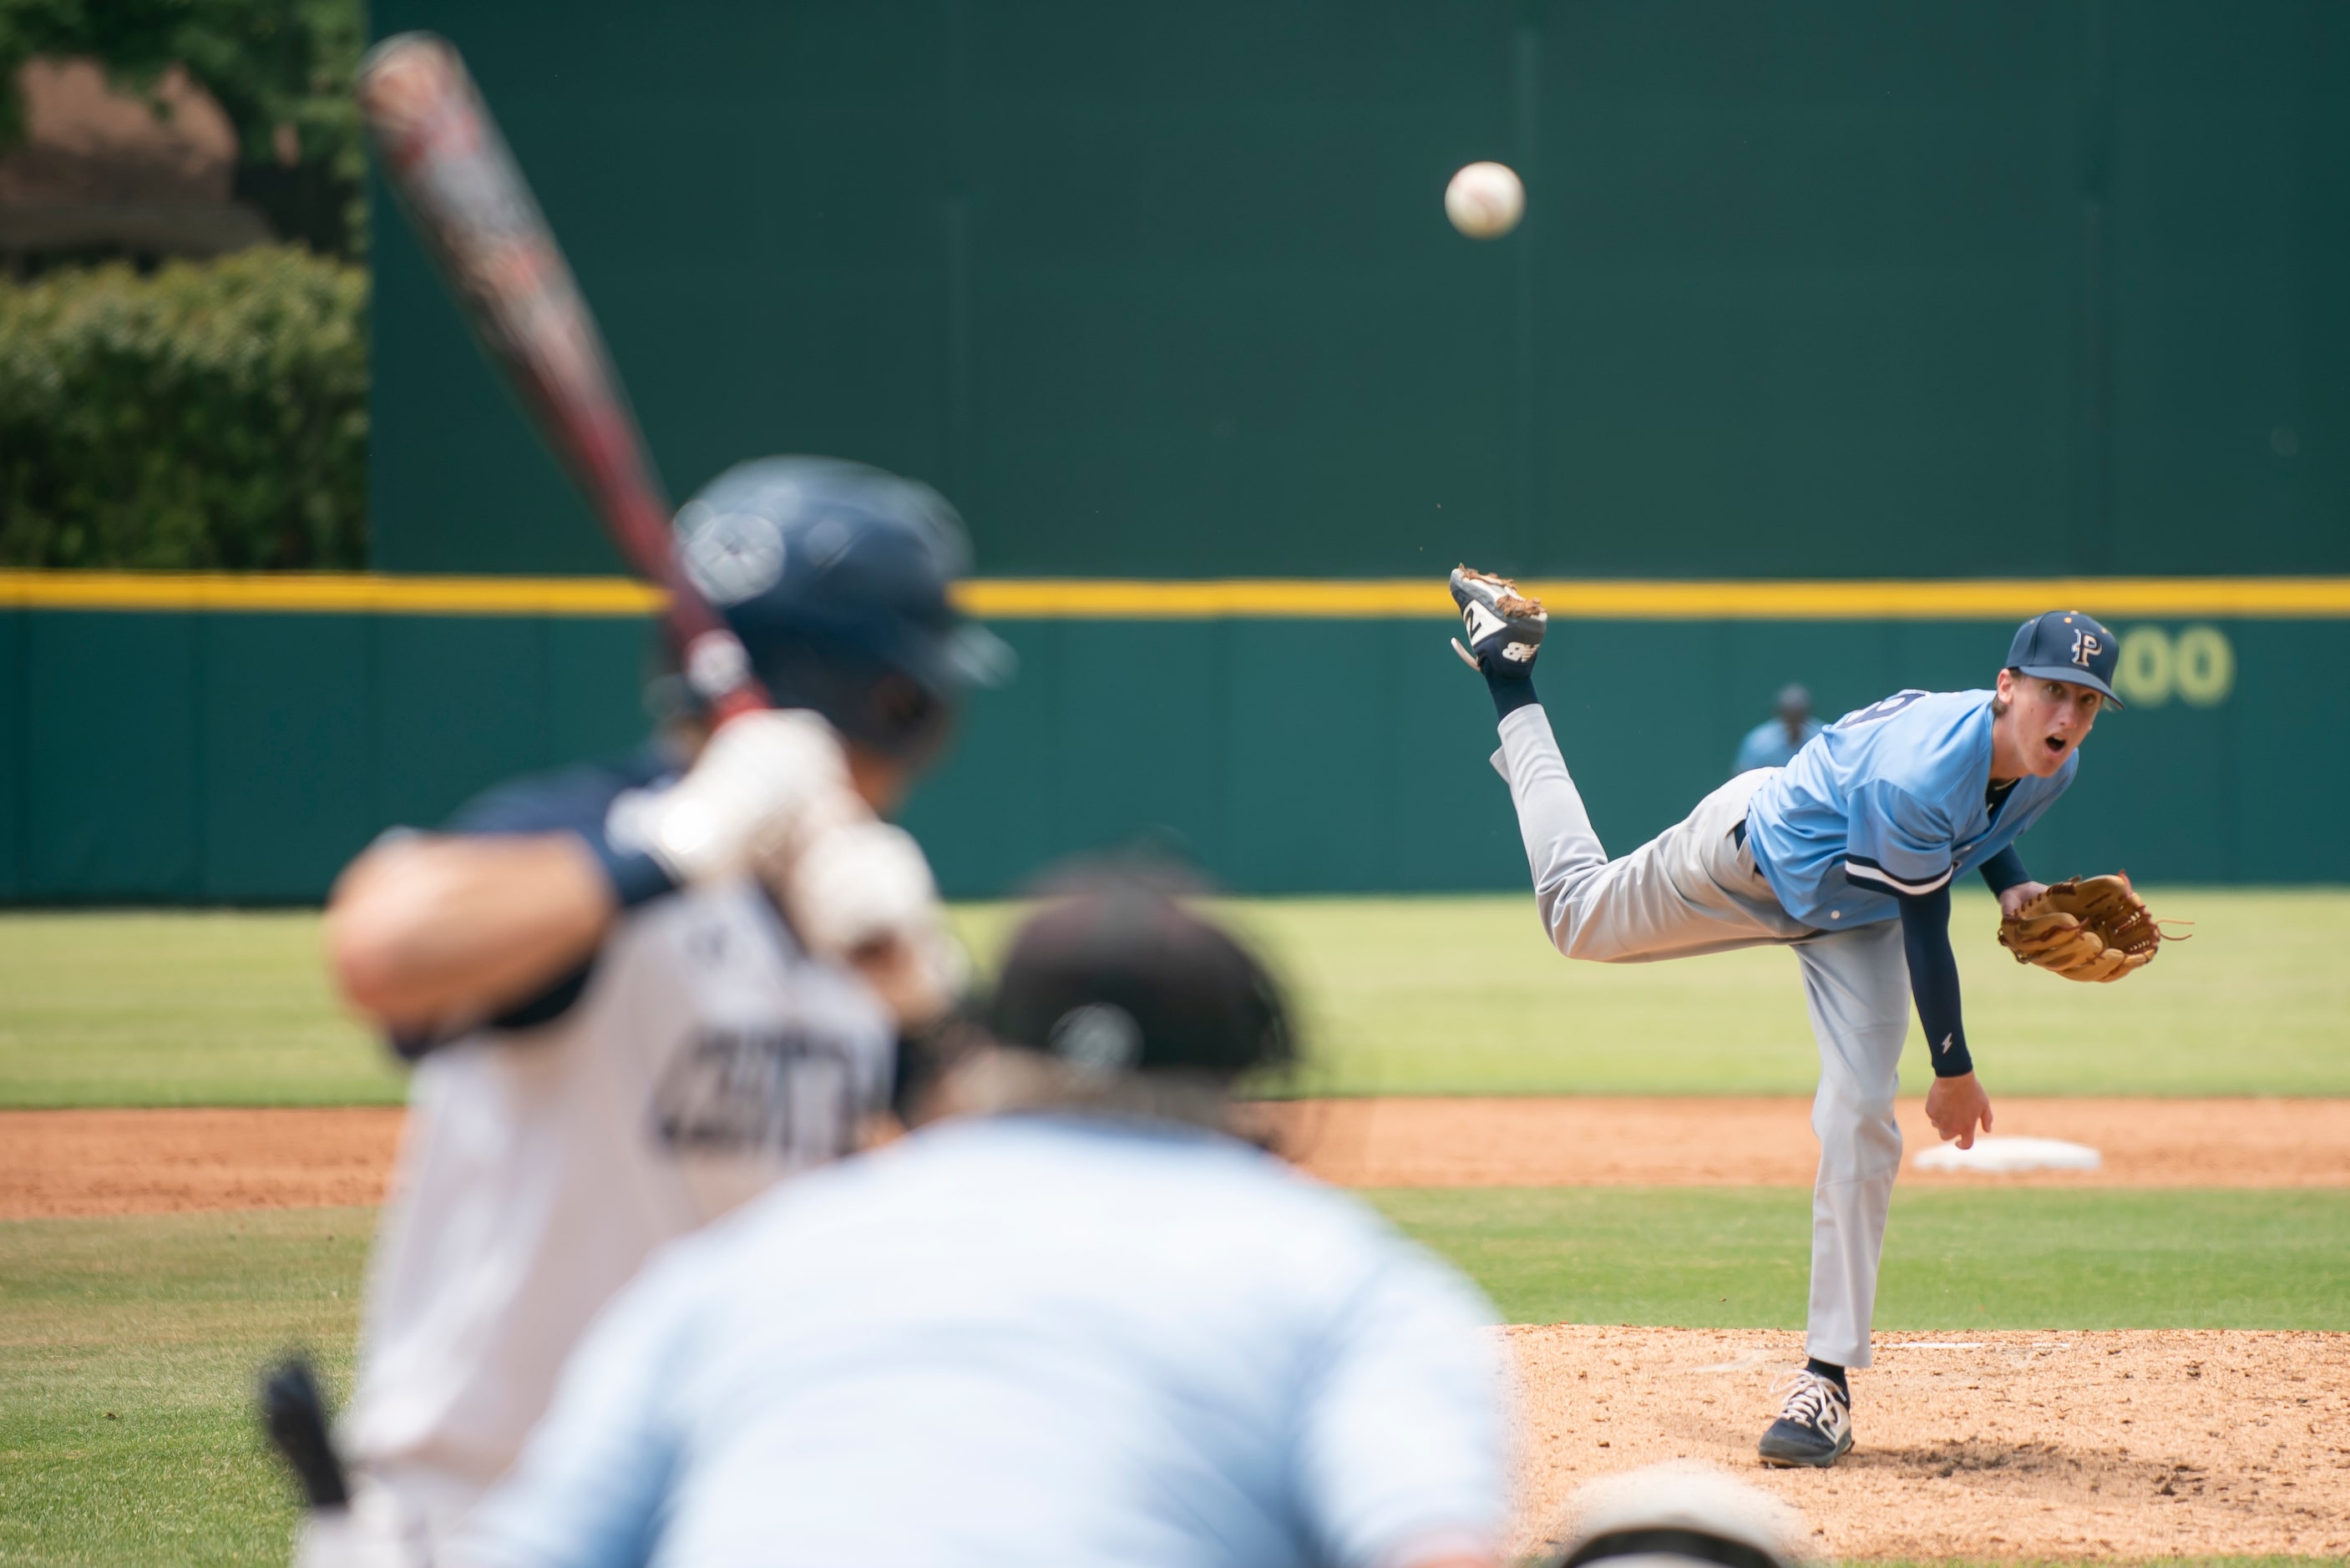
750,800
861,893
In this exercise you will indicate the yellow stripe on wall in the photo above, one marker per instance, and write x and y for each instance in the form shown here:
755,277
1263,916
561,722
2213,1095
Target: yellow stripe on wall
1601,599
1107,598
328,592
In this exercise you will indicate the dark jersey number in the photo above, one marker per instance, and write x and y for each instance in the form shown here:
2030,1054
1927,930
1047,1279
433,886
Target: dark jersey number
782,1090
1878,710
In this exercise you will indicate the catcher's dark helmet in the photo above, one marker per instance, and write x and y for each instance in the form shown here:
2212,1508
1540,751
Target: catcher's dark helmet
1116,972
834,575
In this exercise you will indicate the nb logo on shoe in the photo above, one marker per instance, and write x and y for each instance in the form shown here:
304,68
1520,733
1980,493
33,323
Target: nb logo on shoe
1480,621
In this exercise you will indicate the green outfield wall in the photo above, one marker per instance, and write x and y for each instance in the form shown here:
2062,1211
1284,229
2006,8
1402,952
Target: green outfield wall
1820,312
164,742
1814,288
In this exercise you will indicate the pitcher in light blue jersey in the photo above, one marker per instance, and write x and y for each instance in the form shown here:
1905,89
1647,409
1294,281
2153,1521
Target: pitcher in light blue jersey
1846,855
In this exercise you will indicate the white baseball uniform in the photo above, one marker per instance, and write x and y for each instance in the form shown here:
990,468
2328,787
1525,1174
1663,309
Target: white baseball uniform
700,1056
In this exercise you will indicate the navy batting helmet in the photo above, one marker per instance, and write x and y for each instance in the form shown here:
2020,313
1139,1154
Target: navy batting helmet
834,575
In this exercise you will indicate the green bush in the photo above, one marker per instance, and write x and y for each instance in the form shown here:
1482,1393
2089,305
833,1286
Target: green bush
208,415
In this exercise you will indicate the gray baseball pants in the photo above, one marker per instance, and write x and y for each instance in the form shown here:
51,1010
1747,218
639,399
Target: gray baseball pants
1694,889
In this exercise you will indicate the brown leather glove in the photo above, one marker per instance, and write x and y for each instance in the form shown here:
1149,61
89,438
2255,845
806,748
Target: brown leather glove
2094,928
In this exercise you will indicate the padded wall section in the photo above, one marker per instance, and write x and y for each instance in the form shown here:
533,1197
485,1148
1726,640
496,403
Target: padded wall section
185,758
244,759
1964,287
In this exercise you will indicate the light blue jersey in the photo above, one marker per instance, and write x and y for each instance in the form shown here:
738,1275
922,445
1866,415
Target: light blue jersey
1026,1340
1766,745
1888,800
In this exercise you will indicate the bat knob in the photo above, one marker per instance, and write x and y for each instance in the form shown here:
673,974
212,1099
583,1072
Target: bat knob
716,664
294,1414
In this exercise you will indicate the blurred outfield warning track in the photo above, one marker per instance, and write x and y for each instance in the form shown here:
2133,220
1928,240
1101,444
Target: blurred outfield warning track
90,1162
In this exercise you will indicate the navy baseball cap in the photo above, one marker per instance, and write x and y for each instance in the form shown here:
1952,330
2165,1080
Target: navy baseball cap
2066,645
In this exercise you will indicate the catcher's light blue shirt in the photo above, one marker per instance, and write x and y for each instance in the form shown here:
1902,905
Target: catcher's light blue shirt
1888,800
1026,1340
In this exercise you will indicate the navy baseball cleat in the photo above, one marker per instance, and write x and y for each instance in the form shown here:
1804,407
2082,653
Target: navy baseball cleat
1505,627
1815,1426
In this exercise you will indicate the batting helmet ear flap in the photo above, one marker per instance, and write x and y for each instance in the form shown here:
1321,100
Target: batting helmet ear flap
917,719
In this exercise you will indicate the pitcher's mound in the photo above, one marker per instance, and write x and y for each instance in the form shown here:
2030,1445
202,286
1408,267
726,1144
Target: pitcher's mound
2137,1445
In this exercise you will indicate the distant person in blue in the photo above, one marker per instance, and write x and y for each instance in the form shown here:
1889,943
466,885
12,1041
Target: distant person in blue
1845,855
1773,743
1074,1320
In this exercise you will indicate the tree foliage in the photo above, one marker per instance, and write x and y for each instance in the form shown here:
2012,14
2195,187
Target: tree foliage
270,64
209,415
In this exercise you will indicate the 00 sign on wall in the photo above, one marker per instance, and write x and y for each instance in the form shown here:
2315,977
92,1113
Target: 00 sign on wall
2197,665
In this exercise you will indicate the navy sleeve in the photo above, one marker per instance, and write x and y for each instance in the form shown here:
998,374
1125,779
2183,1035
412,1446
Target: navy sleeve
574,798
550,1003
2005,870
571,800
1934,978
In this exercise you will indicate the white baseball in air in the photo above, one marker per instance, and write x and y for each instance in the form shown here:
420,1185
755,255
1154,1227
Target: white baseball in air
1485,201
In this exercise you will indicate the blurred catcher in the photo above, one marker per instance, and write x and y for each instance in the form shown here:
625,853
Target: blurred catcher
1675,1514
1071,1319
637,994
1847,855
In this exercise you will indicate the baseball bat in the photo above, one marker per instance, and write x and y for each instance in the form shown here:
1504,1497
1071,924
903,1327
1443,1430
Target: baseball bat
294,1414
467,201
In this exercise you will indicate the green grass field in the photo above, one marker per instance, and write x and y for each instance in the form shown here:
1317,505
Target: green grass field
178,1010
128,1346
2024,1257
1401,996
127,1355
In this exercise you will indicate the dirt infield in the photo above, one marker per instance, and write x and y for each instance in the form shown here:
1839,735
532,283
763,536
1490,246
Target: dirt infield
1984,1445
159,1161
1710,1142
2137,1445
55,1163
